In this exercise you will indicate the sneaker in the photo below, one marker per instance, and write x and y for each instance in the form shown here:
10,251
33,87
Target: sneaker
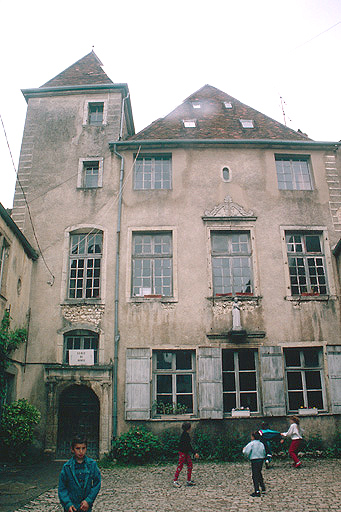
263,489
298,464
176,484
255,494
267,464
190,483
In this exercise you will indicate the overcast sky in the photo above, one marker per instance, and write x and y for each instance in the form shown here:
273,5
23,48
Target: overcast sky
256,51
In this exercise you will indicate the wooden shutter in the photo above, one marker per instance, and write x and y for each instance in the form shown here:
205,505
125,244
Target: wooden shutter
334,371
272,377
210,380
138,384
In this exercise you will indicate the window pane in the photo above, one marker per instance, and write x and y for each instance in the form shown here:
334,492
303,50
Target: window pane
228,360
184,383
229,383
313,243
164,384
315,399
246,360
249,400
311,357
184,360
292,357
229,401
296,400
247,381
313,380
295,380
164,360
186,400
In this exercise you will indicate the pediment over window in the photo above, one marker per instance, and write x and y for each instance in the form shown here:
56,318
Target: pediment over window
229,210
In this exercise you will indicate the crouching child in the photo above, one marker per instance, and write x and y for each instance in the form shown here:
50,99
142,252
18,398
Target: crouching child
79,480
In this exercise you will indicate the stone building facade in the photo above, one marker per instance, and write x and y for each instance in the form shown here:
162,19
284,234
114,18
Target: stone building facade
154,242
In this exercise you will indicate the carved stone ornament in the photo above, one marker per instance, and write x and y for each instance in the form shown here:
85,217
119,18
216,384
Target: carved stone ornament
228,209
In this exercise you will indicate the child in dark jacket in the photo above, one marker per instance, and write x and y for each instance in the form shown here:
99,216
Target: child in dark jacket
268,435
79,480
185,448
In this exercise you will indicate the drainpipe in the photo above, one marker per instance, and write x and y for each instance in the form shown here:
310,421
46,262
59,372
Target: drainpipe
117,275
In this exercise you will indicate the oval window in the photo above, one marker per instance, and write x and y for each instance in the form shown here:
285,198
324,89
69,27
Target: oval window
226,174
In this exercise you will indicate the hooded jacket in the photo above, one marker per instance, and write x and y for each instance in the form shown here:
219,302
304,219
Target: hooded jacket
70,491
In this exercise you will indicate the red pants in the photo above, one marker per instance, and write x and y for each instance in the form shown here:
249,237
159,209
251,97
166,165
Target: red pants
184,458
293,449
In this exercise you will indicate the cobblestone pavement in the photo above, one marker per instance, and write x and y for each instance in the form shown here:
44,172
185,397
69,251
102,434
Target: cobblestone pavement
220,487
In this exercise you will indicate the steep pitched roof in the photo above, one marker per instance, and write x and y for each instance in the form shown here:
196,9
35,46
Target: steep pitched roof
214,121
86,71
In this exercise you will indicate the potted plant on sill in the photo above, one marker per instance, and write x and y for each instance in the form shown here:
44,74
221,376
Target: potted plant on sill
240,412
307,411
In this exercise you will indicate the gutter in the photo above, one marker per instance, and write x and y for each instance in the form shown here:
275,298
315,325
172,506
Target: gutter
117,276
229,142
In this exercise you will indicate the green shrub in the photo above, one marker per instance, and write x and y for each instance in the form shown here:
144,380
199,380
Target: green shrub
204,444
169,445
136,446
17,427
229,449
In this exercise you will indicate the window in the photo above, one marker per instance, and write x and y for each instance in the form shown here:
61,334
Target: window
293,173
306,264
196,104
231,263
246,123
226,174
304,373
240,379
80,340
189,123
90,173
228,104
153,172
3,255
152,265
85,265
96,111
174,381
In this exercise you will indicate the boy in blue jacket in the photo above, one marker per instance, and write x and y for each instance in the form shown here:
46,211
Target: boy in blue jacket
79,480
255,451
268,435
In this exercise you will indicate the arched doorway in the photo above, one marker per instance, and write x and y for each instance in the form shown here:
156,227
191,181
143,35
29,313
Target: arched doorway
78,413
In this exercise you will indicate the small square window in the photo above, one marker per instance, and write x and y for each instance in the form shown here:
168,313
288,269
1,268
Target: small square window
90,173
247,123
96,111
189,123
227,104
196,104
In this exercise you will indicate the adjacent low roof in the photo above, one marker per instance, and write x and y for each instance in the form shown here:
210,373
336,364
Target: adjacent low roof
214,121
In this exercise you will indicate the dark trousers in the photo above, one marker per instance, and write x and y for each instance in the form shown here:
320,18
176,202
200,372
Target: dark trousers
257,477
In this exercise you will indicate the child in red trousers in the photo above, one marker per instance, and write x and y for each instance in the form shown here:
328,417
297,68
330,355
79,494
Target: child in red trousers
295,433
185,448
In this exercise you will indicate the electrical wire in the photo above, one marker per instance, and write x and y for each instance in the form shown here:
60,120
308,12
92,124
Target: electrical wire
27,205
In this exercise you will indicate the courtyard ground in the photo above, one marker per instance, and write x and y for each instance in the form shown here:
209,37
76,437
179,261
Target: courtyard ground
220,487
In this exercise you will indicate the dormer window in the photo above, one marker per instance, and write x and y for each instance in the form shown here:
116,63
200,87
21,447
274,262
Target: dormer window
227,104
247,123
190,123
196,104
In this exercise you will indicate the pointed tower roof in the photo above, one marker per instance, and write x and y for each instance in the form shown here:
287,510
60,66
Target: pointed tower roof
86,71
213,114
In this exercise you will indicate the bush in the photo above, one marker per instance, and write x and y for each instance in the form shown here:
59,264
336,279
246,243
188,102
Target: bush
169,445
17,427
136,446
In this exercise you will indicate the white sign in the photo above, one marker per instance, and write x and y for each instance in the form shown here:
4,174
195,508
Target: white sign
81,357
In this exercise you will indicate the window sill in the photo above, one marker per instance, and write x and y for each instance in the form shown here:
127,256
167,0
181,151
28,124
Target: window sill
81,302
308,298
152,298
174,417
230,298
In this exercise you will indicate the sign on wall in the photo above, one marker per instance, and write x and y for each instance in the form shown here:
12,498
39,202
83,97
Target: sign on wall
81,357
